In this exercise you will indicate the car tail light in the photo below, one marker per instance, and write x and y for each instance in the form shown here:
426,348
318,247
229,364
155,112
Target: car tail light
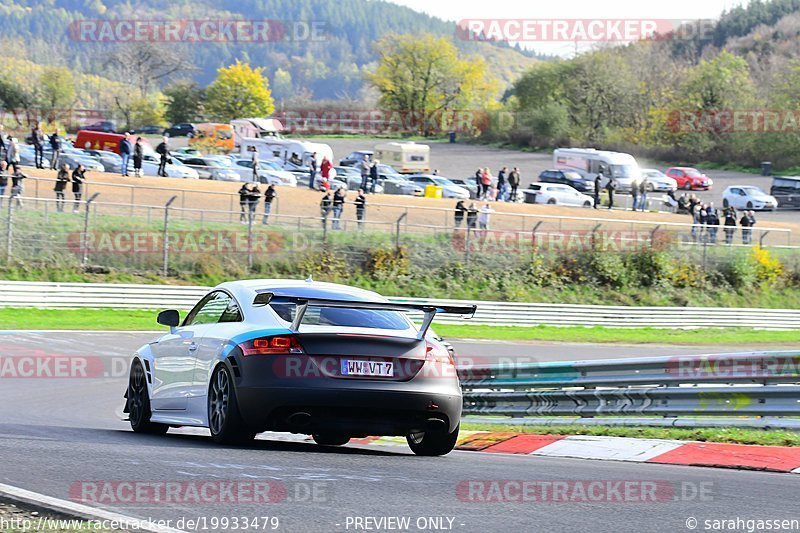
279,345
437,353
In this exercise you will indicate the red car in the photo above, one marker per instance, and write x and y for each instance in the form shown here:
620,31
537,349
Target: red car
690,179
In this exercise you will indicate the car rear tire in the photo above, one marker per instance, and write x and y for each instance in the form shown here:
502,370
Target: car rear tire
687,186
749,205
551,201
587,204
330,439
432,443
224,419
725,203
650,187
139,403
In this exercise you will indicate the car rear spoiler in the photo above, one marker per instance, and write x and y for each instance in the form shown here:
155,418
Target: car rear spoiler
264,298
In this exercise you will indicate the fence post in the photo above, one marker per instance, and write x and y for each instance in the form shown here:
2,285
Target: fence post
761,239
85,239
653,235
165,268
397,231
594,239
533,237
9,230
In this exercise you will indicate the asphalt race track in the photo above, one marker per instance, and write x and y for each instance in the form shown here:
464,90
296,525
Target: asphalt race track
59,436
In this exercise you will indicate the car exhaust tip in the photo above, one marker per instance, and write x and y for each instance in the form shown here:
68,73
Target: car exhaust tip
434,424
300,418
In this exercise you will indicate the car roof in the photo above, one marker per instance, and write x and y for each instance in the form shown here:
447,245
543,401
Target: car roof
245,290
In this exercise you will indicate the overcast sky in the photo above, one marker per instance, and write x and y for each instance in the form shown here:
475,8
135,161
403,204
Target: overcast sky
570,9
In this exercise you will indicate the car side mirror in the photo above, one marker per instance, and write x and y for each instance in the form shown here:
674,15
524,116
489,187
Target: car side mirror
169,318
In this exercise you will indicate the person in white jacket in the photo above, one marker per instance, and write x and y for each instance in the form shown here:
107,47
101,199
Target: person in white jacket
483,216
13,154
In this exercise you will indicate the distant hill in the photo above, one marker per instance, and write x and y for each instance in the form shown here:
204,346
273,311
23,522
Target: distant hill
330,68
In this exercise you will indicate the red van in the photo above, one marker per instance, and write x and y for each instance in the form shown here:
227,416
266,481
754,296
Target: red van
98,140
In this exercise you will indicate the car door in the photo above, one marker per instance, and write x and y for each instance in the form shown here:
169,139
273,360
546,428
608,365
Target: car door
215,338
174,354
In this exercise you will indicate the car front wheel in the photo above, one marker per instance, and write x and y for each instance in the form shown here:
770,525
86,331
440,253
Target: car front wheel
432,443
687,186
224,419
139,403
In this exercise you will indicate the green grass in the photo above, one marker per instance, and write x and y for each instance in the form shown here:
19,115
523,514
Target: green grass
725,435
617,335
145,320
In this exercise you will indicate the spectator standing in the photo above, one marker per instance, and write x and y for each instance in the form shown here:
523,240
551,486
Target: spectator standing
254,163
269,195
325,169
712,223
483,216
486,183
3,180
373,176
338,206
12,154
361,206
312,170
461,210
643,194
730,224
472,216
2,144
61,185
37,140
513,182
747,233
16,187
364,166
598,183
138,156
611,186
78,180
244,195
635,195
163,151
253,198
683,204
125,150
325,207
501,185
751,216
55,148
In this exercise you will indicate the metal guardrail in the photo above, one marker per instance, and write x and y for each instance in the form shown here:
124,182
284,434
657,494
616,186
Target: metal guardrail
126,296
744,384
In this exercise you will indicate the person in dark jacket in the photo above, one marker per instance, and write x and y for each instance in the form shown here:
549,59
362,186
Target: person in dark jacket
373,176
611,186
3,180
78,179
501,185
125,150
17,187
361,207
513,182
37,140
253,197
138,157
2,144
365,167
598,183
163,151
747,233
730,224
643,194
712,224
244,195
461,210
61,185
55,147
635,195
312,170
269,195
325,207
338,206
472,216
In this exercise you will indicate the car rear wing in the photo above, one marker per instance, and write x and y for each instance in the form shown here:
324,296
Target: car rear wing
302,303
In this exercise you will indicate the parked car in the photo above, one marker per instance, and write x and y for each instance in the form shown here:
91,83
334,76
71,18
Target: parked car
175,169
186,150
352,176
658,181
211,169
557,194
690,179
748,197
469,184
268,172
567,177
148,130
109,160
355,157
401,185
106,126
786,189
183,129
449,189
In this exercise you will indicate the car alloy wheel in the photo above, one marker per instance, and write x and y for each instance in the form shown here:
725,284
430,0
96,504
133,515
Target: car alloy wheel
224,419
139,403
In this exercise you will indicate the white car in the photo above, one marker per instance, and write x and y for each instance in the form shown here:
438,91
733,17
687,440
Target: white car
268,172
558,194
318,359
748,197
176,169
658,181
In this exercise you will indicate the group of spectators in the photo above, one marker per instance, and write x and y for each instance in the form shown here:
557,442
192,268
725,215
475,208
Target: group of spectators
335,204
249,198
9,168
476,219
706,221
505,189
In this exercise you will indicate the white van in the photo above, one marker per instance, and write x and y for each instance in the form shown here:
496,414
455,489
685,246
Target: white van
255,128
291,153
588,162
406,157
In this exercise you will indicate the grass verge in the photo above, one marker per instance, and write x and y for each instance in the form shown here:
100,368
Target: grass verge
724,435
145,320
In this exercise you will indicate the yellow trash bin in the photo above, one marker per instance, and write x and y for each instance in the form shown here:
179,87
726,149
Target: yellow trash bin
433,191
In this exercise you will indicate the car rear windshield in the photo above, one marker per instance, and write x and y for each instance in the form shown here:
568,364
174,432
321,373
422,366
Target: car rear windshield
343,317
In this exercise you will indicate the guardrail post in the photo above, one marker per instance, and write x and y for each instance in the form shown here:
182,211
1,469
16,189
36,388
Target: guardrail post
10,230
165,267
761,239
397,231
85,237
